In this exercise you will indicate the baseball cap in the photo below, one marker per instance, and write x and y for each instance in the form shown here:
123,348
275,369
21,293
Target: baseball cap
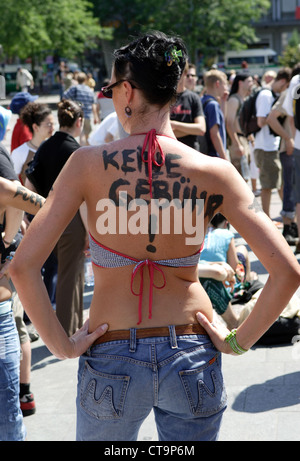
5,115
20,100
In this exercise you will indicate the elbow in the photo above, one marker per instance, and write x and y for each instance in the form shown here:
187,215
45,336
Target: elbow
202,129
18,269
261,121
289,278
295,279
15,270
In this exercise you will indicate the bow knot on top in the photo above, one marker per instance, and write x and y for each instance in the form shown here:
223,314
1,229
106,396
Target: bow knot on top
139,268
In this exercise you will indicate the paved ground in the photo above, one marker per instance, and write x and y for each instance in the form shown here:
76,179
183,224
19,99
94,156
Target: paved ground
263,389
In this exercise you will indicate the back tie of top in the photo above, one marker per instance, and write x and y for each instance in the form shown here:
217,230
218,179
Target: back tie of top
105,257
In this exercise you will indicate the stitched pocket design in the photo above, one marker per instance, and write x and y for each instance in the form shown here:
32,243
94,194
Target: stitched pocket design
204,388
103,395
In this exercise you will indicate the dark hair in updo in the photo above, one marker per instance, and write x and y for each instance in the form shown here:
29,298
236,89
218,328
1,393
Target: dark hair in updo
34,112
68,112
144,63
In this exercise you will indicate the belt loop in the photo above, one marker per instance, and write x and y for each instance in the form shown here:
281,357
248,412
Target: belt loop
89,351
132,347
173,338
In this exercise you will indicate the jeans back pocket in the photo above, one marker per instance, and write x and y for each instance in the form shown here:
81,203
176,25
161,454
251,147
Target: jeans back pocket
204,388
102,395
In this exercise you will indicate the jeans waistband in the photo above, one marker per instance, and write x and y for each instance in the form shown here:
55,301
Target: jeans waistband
5,307
115,335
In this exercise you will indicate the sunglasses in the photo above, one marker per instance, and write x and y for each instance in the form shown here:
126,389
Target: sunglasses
107,90
48,125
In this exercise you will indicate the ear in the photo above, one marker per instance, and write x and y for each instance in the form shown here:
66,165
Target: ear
35,127
128,91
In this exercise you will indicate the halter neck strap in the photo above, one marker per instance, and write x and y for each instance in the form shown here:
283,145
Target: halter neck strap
153,146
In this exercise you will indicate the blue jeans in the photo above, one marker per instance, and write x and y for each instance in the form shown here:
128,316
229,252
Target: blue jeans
11,418
179,377
288,204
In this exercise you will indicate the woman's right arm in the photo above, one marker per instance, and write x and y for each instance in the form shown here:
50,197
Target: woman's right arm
40,239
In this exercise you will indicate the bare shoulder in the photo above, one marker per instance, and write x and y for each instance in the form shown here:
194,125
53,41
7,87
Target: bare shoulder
214,167
84,158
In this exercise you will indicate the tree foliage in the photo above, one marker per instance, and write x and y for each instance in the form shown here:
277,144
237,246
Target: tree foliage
31,27
291,55
210,26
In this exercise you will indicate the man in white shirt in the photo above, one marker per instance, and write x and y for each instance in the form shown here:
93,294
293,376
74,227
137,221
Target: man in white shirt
288,107
110,129
266,144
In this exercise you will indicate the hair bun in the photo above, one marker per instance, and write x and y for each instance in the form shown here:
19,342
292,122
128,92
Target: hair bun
155,63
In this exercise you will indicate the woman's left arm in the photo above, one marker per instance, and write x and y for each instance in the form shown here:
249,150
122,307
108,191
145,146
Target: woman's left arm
243,212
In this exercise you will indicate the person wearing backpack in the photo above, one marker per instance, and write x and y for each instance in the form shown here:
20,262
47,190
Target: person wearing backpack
292,105
266,143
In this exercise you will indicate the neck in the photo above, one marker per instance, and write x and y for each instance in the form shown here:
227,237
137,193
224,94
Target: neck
243,93
157,119
34,142
69,130
213,92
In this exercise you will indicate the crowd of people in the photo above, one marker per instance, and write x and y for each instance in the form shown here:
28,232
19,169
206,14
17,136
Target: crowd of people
152,100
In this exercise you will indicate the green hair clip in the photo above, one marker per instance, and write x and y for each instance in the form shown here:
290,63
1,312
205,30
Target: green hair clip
173,56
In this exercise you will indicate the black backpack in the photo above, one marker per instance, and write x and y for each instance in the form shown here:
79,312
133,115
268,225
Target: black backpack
296,108
247,115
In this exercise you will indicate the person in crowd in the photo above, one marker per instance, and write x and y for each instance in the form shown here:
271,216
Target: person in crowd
221,260
40,121
110,129
191,77
268,78
48,161
11,221
60,77
90,81
83,94
147,295
289,105
104,106
231,77
21,133
12,426
238,143
279,123
187,118
216,85
24,79
5,115
266,143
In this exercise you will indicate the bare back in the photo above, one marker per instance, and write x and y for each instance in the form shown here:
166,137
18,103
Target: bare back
117,172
